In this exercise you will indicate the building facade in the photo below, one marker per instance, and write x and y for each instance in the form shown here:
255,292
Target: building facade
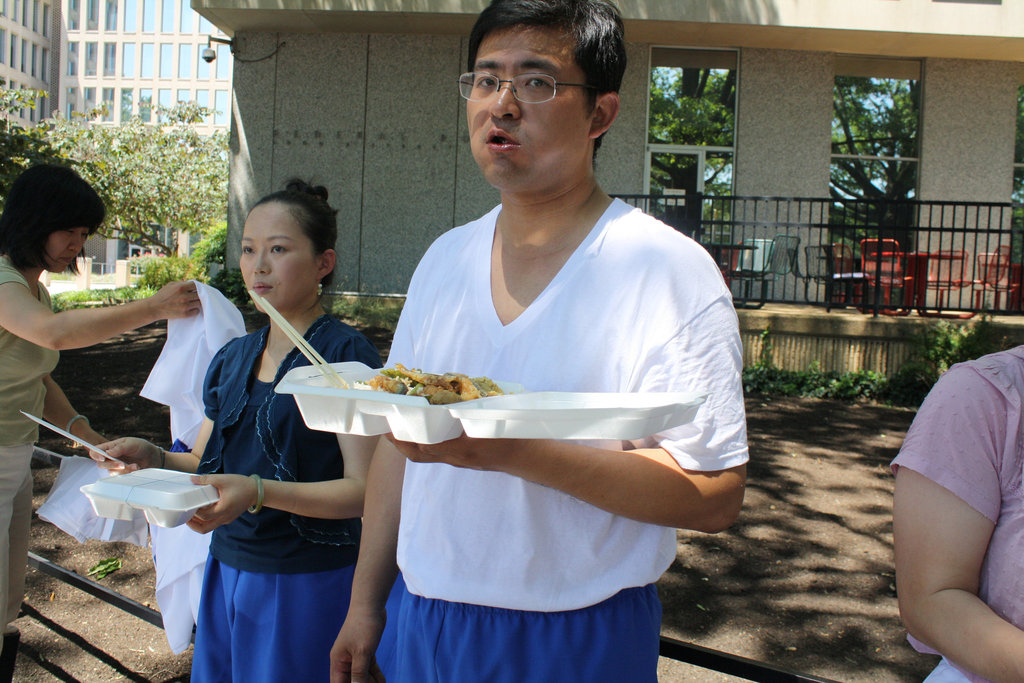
365,102
27,30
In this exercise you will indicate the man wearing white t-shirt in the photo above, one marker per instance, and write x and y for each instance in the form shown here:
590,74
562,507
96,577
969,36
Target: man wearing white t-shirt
536,559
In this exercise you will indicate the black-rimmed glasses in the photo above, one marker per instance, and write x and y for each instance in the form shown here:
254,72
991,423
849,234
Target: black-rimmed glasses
530,88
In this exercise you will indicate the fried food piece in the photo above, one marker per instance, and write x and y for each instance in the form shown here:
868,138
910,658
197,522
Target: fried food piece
451,387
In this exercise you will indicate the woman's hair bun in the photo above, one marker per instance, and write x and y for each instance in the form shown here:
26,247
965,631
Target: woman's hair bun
296,185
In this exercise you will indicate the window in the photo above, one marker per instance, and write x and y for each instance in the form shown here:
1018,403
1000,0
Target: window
203,98
24,56
44,65
73,15
148,16
202,66
109,59
166,60
184,96
89,99
167,17
185,22
223,62
127,99
3,44
72,59
92,15
146,70
128,60
35,61
1018,151
25,18
184,61
14,51
35,15
46,21
129,15
874,128
691,122
164,95
108,104
70,102
111,16
91,51
204,25
145,104
223,109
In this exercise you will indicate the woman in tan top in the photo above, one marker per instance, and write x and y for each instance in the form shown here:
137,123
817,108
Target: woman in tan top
48,214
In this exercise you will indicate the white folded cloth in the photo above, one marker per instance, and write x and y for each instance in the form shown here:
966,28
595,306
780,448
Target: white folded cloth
176,379
68,509
180,558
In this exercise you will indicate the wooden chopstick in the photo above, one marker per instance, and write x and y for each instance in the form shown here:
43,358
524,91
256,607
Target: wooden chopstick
300,342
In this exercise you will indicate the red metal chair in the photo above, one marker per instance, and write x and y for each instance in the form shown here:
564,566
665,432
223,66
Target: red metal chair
997,275
947,270
882,263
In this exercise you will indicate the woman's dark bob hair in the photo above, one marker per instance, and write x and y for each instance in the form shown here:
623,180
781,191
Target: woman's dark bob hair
42,200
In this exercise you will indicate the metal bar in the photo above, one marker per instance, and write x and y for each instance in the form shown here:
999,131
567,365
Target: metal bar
733,665
111,597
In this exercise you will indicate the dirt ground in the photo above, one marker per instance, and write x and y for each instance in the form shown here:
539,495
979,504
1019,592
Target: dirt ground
803,580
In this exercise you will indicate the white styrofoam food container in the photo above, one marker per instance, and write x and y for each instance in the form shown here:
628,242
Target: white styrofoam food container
167,498
567,415
367,412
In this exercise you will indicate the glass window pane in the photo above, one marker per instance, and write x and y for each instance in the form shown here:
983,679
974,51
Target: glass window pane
167,17
91,51
204,25
110,59
222,107
148,16
108,104
128,60
73,14
46,21
111,16
184,61
203,98
164,95
127,99
166,60
186,16
72,59
223,62
145,104
146,70
92,15
129,15
89,97
44,65
184,96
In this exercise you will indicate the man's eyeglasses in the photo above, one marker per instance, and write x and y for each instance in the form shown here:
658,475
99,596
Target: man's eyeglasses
532,88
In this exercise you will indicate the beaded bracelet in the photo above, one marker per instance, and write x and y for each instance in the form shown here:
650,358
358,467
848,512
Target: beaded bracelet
258,505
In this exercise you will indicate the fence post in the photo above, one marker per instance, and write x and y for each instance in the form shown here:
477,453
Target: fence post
122,274
84,279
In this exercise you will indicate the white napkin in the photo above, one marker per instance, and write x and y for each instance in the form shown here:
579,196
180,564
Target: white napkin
180,558
176,379
68,509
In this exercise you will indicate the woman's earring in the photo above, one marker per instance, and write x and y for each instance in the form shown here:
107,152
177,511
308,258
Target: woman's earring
319,288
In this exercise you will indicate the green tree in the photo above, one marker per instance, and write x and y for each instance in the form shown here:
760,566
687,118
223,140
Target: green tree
22,147
152,176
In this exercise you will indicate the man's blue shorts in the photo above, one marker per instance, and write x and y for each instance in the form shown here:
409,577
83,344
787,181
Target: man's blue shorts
445,642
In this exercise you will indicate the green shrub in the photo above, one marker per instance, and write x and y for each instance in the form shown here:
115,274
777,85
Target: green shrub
231,285
370,311
212,248
157,271
88,298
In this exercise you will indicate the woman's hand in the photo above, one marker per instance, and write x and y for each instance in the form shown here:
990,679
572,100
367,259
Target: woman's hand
135,453
176,300
236,493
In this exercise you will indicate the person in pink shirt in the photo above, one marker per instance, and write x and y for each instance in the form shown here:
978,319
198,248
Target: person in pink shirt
958,522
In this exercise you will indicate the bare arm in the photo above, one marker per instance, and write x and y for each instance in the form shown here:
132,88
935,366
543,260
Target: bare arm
25,316
940,543
647,485
376,569
57,409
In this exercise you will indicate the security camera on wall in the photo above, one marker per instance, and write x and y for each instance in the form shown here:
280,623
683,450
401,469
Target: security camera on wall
209,54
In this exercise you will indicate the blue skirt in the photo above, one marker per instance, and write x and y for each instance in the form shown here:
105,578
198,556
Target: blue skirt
613,641
257,627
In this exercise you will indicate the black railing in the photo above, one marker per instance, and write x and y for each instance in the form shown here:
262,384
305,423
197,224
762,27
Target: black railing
880,256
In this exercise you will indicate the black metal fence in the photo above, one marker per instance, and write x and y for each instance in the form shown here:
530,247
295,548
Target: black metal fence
896,257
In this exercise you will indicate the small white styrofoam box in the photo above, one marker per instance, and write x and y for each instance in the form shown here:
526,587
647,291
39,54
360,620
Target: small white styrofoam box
566,415
168,498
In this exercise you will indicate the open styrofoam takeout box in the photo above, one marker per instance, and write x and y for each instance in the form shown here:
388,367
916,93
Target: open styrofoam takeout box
517,414
166,497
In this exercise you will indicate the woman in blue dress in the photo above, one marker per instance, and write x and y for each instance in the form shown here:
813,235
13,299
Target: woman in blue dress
286,525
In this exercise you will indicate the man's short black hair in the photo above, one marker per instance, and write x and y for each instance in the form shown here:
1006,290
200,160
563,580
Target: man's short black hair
594,25
42,200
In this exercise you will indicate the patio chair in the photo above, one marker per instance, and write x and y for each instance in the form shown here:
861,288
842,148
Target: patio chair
882,263
997,275
778,260
820,268
947,270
